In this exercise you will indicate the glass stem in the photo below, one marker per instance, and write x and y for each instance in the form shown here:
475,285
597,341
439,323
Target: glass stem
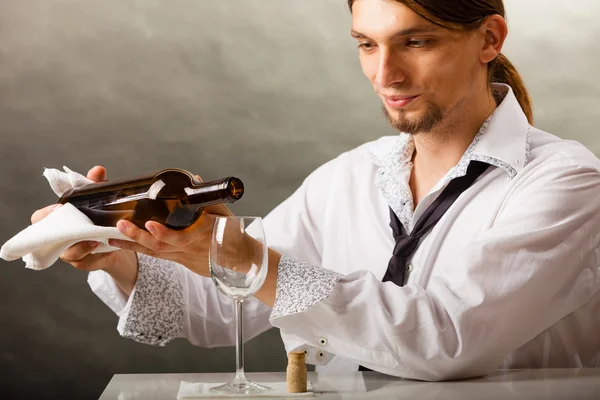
239,345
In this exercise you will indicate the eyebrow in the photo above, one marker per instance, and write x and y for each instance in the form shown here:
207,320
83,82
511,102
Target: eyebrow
403,32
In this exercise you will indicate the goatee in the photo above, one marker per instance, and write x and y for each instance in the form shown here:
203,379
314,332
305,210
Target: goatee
424,123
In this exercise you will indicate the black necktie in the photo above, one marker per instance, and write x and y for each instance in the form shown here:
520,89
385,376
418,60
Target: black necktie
407,244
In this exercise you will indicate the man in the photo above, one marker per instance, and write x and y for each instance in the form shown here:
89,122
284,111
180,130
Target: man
494,253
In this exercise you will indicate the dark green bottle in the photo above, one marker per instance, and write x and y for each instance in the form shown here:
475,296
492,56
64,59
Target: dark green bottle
173,197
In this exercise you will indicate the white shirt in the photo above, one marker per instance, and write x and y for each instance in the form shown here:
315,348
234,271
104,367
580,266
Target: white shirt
509,277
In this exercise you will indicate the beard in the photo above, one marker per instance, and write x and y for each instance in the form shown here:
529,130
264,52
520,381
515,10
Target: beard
420,124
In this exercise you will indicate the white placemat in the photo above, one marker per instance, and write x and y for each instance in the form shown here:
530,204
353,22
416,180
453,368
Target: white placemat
189,390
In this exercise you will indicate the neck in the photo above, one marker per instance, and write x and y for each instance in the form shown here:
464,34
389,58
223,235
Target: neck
437,151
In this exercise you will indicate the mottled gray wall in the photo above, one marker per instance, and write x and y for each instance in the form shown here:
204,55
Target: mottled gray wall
266,90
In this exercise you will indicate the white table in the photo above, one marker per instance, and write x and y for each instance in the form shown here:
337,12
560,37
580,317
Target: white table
505,384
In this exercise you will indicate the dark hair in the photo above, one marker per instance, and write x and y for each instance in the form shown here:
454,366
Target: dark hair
467,15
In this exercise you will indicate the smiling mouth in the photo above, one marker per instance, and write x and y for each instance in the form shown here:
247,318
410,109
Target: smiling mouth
399,101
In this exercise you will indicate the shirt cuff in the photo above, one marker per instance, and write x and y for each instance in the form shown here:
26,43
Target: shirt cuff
104,286
313,355
155,309
301,285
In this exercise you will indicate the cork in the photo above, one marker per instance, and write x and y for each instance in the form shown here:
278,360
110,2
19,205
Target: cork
296,373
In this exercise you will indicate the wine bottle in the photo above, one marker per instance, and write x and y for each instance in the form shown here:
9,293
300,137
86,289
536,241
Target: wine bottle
173,197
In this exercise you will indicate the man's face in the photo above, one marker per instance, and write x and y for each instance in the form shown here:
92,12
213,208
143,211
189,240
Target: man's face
423,73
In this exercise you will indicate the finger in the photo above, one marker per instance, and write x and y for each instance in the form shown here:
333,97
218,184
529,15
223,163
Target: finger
138,248
142,237
97,174
184,237
175,238
93,262
42,213
78,251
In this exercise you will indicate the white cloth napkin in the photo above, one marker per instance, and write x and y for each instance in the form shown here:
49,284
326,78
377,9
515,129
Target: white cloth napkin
189,390
41,244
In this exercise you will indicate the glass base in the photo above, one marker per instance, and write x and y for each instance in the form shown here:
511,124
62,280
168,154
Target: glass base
240,385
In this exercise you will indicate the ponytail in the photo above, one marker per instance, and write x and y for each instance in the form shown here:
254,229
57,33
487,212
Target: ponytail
503,71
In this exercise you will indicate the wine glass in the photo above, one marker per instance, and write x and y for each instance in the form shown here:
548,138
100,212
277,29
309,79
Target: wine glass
238,267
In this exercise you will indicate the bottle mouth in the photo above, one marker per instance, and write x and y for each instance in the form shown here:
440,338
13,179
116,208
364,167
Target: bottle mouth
236,188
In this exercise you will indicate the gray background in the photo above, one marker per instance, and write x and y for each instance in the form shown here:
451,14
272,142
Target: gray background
263,89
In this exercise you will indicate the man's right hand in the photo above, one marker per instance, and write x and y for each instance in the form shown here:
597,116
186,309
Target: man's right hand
120,264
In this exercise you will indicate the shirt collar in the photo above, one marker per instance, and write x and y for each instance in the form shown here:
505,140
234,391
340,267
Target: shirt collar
502,141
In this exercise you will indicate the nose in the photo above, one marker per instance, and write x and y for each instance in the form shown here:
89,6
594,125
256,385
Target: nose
390,69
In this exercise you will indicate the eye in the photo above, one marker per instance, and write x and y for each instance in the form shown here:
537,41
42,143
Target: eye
366,47
418,42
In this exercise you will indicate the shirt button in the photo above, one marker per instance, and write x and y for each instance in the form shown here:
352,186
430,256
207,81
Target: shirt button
409,267
322,341
320,355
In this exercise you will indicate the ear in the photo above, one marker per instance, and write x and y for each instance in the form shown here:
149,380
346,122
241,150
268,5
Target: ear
493,31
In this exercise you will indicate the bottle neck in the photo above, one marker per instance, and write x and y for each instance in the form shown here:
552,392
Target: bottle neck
210,193
199,192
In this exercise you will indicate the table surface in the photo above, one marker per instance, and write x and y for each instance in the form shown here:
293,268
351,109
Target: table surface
504,384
